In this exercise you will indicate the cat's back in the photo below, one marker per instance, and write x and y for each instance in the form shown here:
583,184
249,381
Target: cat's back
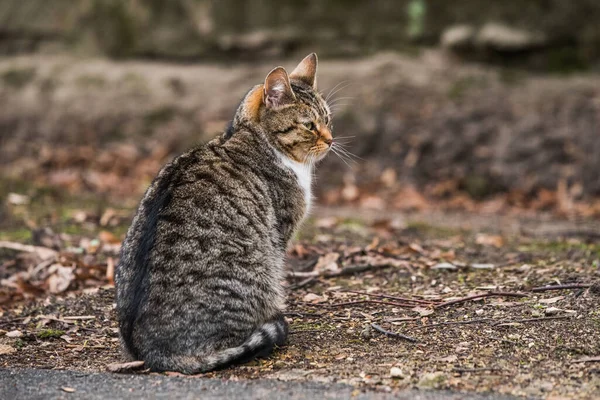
207,213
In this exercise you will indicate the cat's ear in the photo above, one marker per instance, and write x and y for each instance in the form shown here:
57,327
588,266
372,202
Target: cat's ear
306,71
277,90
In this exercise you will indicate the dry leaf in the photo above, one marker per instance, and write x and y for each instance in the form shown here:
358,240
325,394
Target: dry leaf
124,367
110,270
551,300
423,312
6,349
449,359
68,389
107,237
328,262
14,334
60,279
312,298
489,240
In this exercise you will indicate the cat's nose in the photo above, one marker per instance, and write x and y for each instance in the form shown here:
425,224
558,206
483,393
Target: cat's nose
326,136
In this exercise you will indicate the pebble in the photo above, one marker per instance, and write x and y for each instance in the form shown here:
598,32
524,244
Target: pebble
396,372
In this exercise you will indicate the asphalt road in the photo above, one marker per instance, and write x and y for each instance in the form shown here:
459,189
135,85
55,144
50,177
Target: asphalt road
49,384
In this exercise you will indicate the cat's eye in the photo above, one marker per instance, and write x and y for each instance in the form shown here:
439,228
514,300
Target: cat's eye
310,126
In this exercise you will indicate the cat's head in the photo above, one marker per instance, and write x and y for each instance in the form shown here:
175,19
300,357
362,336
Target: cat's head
292,113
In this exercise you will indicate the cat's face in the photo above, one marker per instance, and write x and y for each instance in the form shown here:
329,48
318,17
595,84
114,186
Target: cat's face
293,113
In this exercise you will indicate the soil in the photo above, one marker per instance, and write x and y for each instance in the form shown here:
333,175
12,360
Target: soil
539,344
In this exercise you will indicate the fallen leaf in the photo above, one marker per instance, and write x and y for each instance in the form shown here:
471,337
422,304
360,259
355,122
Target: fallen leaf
551,300
110,270
326,223
60,279
124,367
68,389
14,334
6,349
423,312
108,214
107,237
489,240
449,359
312,298
416,248
328,262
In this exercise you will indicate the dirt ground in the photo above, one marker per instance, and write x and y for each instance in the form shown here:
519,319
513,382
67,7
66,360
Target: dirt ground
513,339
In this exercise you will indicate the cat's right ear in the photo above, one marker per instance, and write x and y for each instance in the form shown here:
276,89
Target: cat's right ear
277,90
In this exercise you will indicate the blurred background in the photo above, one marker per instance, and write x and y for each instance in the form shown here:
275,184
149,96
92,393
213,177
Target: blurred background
471,105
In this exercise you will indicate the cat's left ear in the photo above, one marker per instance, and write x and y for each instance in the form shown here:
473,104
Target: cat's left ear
277,90
306,71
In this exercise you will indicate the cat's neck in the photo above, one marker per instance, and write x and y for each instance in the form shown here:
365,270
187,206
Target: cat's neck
304,175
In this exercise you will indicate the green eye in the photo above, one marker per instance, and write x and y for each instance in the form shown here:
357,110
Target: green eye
310,126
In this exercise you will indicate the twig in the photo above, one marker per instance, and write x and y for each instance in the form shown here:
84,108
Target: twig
300,315
303,283
309,331
350,270
41,252
480,296
351,303
484,369
587,359
561,287
385,296
520,321
79,317
393,334
471,321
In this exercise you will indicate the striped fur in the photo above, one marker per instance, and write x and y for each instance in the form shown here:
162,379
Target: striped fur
199,282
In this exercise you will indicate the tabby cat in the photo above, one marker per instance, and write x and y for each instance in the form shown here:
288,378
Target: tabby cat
199,283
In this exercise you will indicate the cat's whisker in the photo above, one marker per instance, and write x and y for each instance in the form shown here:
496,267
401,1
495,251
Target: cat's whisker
342,149
341,157
339,87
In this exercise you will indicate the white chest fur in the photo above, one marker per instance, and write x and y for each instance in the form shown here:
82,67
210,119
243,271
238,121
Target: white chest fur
303,173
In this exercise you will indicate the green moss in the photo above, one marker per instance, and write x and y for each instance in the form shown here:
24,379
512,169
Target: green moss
426,229
18,78
19,234
558,247
50,333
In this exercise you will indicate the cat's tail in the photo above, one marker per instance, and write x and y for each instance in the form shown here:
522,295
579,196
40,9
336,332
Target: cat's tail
260,344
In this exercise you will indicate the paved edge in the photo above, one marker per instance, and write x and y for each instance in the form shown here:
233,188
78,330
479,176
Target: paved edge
53,384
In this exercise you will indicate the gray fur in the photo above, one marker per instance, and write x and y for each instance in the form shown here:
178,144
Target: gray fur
199,283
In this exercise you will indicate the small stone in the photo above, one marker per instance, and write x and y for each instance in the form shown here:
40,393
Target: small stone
446,266
14,334
479,312
482,266
552,311
396,372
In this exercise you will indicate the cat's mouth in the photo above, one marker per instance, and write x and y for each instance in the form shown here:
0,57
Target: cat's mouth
321,151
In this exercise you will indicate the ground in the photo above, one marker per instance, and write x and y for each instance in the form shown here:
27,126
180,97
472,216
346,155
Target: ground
517,340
